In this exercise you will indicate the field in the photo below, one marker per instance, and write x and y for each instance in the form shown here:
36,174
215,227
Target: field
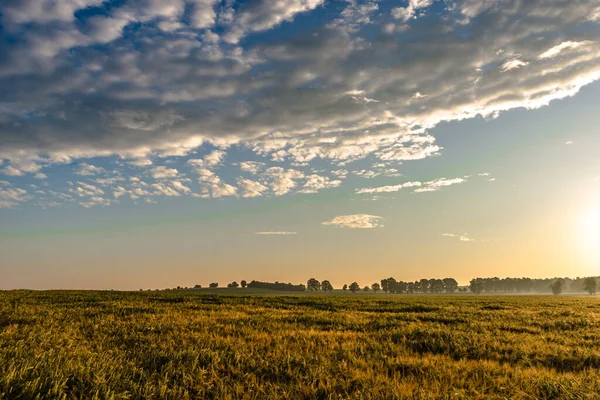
180,345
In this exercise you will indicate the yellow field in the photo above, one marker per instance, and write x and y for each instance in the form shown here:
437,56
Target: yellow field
180,345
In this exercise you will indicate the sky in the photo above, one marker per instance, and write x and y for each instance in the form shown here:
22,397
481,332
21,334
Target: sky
152,144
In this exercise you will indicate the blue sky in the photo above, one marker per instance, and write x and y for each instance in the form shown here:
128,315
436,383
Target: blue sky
152,144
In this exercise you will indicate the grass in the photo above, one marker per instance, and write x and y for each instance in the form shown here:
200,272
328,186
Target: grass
183,345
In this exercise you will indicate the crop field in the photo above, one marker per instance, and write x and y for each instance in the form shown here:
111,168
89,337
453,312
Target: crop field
184,345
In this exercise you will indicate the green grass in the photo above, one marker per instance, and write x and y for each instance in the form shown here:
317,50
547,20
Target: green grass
179,345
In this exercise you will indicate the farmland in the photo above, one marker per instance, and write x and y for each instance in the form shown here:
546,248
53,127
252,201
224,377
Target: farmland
179,345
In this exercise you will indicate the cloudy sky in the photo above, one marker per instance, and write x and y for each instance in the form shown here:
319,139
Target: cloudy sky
146,143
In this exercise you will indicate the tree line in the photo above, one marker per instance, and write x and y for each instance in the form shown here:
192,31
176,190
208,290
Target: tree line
445,285
528,285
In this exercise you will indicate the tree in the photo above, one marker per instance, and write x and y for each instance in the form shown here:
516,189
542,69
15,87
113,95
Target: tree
244,283
376,288
354,287
345,287
313,285
198,287
558,286
450,285
385,284
366,288
476,285
233,284
326,286
213,285
590,285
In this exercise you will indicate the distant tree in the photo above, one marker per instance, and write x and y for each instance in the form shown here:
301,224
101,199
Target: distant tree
198,286
376,288
233,284
558,286
366,288
213,285
450,285
326,286
244,283
345,287
385,284
354,287
178,287
287,287
436,286
476,285
590,285
313,285
424,285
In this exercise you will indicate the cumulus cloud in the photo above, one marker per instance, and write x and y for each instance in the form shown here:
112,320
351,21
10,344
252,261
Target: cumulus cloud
85,169
315,183
11,196
251,188
404,14
162,172
356,221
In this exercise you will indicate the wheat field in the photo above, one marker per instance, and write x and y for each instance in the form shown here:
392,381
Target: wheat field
185,345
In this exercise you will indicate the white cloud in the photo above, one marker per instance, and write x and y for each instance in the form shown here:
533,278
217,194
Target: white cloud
251,188
11,196
559,48
315,183
462,238
404,14
388,189
162,172
251,166
358,221
141,162
85,169
11,171
430,186
282,180
513,63
437,184
275,233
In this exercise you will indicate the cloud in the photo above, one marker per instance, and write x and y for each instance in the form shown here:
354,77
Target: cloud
282,180
251,188
559,48
85,169
315,183
430,186
389,189
437,184
356,221
162,172
275,233
462,238
513,63
404,14
79,85
11,196
11,171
